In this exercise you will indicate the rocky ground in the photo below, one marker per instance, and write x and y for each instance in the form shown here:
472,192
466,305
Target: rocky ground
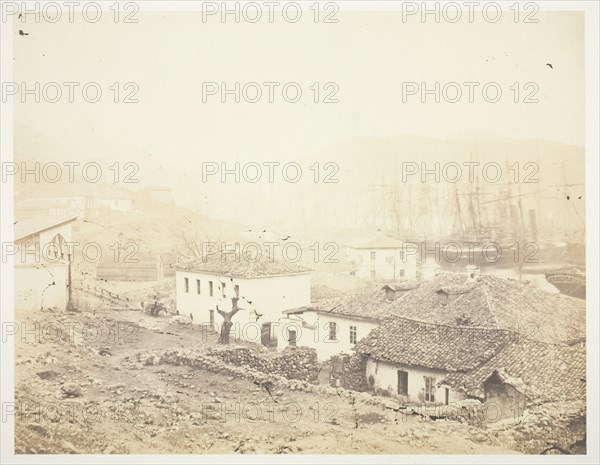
91,389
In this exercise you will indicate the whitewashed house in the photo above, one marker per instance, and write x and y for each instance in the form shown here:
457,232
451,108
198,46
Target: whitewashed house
42,262
334,326
383,259
411,359
264,287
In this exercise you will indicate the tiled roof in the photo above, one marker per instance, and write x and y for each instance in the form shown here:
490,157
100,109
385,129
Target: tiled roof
237,266
494,302
450,348
487,302
29,227
550,372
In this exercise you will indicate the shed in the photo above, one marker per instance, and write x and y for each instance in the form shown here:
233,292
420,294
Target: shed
507,393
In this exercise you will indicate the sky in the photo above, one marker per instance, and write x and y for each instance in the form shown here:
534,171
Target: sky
368,56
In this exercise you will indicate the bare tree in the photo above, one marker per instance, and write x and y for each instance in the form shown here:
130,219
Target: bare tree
227,323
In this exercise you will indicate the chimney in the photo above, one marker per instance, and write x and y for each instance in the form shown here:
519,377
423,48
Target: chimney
473,272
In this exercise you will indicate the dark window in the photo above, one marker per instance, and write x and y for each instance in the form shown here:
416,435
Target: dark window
332,331
210,288
211,317
447,396
223,290
186,283
197,286
429,389
372,255
352,334
236,289
402,383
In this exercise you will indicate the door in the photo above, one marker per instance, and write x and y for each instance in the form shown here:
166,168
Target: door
403,383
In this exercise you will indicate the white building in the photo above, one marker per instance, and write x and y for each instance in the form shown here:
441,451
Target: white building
410,359
42,263
383,259
334,326
264,288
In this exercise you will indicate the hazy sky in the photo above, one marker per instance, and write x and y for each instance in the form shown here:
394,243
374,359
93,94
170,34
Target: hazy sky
369,55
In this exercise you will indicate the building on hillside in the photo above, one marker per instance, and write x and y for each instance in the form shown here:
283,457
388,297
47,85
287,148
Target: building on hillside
113,202
334,326
42,262
264,287
383,259
408,358
51,206
141,266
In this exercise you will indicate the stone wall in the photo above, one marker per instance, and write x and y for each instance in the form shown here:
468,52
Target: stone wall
353,372
294,363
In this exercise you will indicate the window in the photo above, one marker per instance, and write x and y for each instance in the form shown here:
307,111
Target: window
429,389
210,288
197,286
236,289
186,283
223,290
332,331
402,256
402,383
352,334
211,317
372,255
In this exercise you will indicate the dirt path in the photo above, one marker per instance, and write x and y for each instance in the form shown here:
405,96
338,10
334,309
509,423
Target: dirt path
86,394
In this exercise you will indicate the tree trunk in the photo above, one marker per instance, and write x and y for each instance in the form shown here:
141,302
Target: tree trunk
227,323
225,330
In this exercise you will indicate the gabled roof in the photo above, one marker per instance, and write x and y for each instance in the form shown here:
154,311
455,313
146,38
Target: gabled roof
416,343
33,226
549,372
237,266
